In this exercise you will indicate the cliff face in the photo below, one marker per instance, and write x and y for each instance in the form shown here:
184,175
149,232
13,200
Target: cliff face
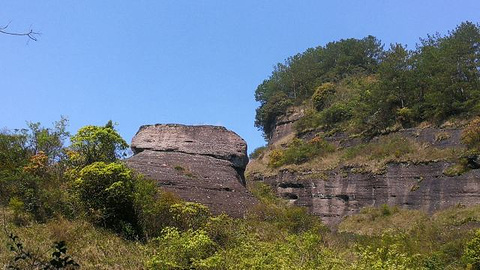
344,191
203,164
333,193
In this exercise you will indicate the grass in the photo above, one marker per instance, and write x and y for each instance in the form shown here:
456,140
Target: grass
92,247
371,157
184,171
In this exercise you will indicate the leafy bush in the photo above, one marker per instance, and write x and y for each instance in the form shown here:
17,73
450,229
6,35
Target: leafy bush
471,255
471,135
107,193
95,143
189,215
388,257
258,152
299,151
322,94
183,250
335,114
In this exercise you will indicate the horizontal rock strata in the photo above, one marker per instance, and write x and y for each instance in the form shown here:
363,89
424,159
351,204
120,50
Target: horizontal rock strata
203,164
341,192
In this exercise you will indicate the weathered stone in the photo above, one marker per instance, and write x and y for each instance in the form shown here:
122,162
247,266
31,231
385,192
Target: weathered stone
203,164
284,125
344,191
334,194
205,140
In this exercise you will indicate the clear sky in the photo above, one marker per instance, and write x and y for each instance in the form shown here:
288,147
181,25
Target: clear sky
191,62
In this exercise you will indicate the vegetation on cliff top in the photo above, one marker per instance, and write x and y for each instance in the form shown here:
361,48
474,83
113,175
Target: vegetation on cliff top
357,86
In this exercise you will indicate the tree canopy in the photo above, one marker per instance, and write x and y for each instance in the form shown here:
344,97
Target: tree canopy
376,88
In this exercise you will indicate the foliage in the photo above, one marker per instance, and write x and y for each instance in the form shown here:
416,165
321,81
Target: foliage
299,151
48,141
298,78
385,258
97,143
183,250
322,94
13,151
270,110
107,193
258,152
24,259
188,215
471,255
471,135
437,80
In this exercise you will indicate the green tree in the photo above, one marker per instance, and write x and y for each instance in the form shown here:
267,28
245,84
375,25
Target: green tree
48,140
450,71
97,143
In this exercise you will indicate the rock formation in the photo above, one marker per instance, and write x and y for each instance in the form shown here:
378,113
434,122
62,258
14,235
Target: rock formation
333,194
203,164
344,191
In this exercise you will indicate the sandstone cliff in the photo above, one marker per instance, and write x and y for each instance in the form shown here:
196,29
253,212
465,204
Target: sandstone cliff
335,186
203,164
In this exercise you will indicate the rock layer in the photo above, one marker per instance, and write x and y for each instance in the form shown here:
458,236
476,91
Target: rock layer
344,191
334,194
203,164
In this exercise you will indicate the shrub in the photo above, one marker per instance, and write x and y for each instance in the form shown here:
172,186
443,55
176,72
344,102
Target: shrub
387,257
471,135
183,250
335,114
189,215
276,158
258,152
107,193
405,116
152,207
299,151
95,143
471,253
322,94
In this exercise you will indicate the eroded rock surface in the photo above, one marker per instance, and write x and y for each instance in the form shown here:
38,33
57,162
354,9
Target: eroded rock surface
203,164
332,195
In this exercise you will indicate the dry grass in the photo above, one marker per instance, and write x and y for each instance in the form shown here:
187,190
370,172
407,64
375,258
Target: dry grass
375,221
91,247
369,157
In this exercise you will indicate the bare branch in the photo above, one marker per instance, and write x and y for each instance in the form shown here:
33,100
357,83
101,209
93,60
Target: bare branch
30,34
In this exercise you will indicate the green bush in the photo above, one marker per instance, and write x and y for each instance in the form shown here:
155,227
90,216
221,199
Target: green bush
183,250
322,95
96,143
471,254
335,114
299,152
107,193
258,152
471,135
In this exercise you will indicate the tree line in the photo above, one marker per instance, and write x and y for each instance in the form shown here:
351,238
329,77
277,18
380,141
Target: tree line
359,86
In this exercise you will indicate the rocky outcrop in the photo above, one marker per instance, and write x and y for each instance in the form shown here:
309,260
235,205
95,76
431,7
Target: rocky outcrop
335,194
203,164
284,124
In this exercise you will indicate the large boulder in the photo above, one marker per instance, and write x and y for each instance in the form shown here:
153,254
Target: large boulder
203,164
214,141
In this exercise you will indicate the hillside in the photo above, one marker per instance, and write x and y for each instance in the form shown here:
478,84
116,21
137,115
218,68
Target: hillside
351,125
372,162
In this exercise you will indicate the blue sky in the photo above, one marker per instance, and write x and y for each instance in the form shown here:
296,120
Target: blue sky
191,62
